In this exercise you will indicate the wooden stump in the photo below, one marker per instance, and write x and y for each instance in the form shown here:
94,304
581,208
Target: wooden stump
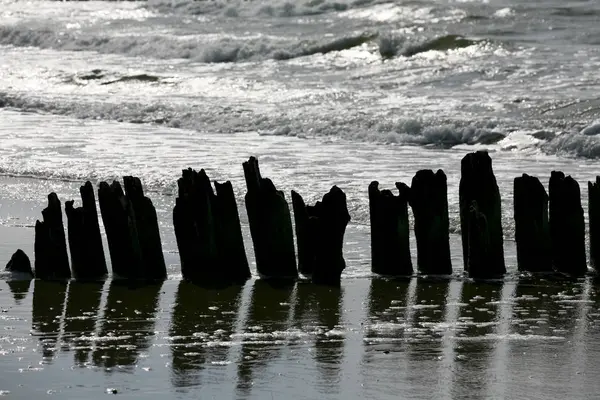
567,225
594,221
429,202
51,258
270,225
208,231
146,223
229,234
19,263
320,235
85,241
532,229
390,245
478,184
121,231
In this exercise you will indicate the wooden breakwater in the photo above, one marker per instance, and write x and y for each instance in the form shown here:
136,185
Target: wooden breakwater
549,229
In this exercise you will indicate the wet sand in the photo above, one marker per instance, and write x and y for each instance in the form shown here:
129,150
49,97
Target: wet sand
372,338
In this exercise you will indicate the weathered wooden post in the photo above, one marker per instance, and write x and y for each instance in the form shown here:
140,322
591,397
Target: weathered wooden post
320,236
121,232
390,246
270,225
146,223
192,219
304,239
480,217
51,258
594,222
429,202
85,241
208,231
229,233
19,262
532,230
567,225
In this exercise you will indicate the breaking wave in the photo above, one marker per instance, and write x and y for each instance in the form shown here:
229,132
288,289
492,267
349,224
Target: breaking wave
442,134
391,45
281,9
198,48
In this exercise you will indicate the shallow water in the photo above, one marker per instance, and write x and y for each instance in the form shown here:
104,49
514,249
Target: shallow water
373,338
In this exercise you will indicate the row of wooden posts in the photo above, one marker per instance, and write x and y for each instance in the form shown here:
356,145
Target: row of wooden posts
549,229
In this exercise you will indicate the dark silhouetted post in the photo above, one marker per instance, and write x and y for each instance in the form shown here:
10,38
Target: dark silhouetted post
229,233
567,225
594,215
85,242
532,230
146,223
19,262
51,258
121,232
390,244
479,199
320,235
270,225
429,202
208,231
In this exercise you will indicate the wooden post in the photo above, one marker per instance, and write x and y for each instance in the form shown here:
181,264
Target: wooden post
121,232
85,241
479,200
229,233
429,202
390,245
304,238
567,225
594,221
532,230
19,262
51,258
146,226
270,225
320,235
208,231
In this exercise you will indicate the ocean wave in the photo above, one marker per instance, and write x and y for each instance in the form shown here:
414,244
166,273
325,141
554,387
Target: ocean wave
574,144
436,133
391,44
583,142
235,9
201,49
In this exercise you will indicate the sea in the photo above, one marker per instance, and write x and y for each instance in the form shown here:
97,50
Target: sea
324,93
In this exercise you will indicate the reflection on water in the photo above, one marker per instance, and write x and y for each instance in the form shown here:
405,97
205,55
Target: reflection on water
83,304
19,289
47,315
317,310
424,338
127,325
265,333
202,323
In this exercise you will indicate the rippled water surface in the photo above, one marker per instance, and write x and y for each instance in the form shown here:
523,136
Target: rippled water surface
372,338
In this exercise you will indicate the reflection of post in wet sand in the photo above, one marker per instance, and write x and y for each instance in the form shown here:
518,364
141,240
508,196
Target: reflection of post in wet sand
267,319
19,289
317,309
202,319
474,346
387,309
127,325
47,313
83,303
550,325
427,316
